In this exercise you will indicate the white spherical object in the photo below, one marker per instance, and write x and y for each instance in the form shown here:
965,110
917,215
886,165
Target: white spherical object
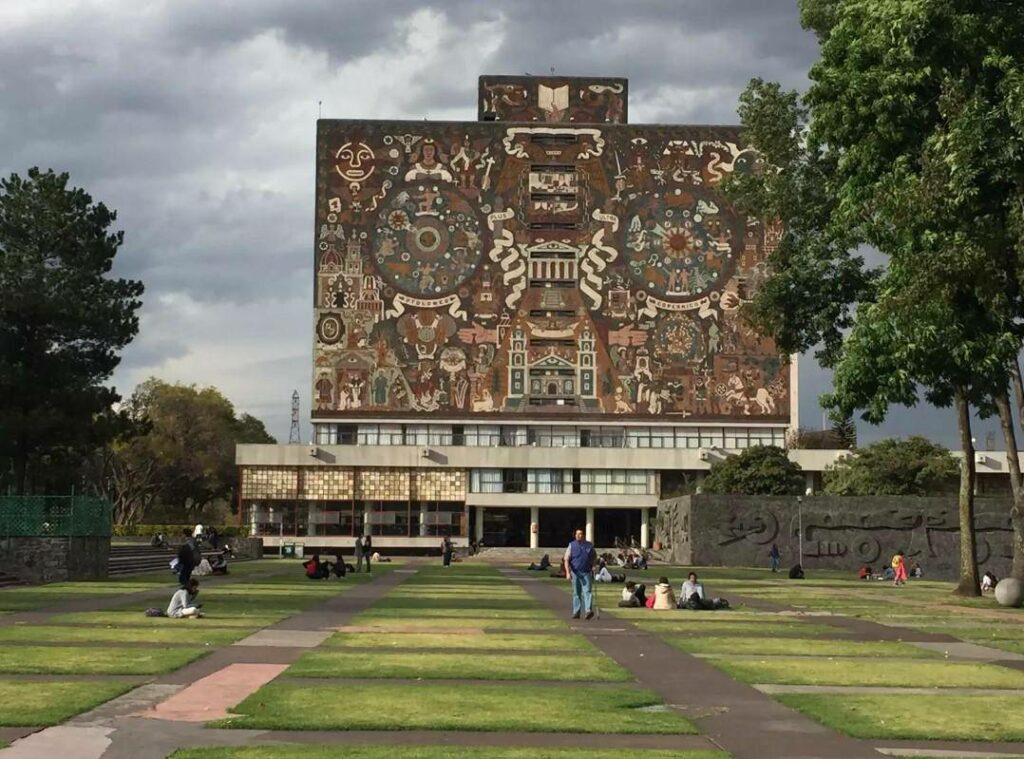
1010,592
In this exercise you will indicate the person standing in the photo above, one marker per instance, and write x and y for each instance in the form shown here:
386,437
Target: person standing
367,550
775,557
446,552
187,561
579,561
359,554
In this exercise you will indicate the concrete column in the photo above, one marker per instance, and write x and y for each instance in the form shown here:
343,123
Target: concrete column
809,483
311,511
479,523
645,537
590,525
534,527
366,522
700,481
423,520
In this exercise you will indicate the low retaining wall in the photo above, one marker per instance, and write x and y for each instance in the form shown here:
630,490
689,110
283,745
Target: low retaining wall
55,559
838,532
249,548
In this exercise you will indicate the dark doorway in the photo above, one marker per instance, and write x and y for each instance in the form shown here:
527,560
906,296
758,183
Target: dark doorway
616,523
558,525
506,527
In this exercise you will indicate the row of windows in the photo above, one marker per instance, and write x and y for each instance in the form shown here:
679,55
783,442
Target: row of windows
508,435
351,518
588,481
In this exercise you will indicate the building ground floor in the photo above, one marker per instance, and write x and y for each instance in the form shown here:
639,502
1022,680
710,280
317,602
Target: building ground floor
421,526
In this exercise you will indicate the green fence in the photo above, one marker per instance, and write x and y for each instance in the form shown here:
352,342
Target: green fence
59,516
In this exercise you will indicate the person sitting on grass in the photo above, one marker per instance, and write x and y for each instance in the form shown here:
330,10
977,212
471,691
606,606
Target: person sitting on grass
633,596
864,573
602,574
338,567
560,572
664,598
989,582
796,572
542,566
316,569
183,602
219,565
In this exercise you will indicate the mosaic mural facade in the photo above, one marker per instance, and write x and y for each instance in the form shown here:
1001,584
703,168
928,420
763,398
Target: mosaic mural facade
561,270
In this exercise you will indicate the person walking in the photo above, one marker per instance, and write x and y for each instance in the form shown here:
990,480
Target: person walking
579,560
367,550
899,569
359,554
188,558
776,557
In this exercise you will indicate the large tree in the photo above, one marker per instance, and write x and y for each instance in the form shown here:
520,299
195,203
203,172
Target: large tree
63,321
915,466
760,470
906,141
184,457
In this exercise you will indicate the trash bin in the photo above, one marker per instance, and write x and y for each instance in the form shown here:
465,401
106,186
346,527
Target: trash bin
287,550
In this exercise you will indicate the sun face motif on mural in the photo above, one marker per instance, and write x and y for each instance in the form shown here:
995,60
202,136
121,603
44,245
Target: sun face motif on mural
429,240
682,245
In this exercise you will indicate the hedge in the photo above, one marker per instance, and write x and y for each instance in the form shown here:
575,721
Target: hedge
171,530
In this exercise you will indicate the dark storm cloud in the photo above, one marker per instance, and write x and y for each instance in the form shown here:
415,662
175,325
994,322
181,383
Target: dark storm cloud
195,120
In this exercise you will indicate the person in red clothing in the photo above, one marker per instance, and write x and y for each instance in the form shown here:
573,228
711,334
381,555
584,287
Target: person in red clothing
316,569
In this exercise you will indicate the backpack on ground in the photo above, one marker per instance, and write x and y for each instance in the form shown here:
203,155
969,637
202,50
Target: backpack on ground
152,611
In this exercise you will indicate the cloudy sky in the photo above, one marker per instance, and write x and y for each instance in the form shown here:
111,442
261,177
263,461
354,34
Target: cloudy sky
196,120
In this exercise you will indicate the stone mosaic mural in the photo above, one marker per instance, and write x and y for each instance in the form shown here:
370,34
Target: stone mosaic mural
495,269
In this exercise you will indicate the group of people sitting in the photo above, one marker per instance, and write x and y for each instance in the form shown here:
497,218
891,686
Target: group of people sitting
322,570
691,596
897,572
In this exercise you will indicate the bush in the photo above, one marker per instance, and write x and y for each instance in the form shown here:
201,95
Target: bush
761,470
170,530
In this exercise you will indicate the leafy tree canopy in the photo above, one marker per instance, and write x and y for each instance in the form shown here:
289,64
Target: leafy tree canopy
915,466
184,458
761,470
63,321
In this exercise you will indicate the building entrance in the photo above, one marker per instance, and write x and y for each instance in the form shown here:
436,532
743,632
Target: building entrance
610,524
506,527
557,525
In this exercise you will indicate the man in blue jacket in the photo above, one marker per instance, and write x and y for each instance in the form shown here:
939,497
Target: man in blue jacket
579,561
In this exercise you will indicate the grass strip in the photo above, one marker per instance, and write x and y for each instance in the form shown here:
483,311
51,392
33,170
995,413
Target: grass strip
918,674
40,704
726,646
81,660
445,666
304,751
480,641
953,718
173,632
389,706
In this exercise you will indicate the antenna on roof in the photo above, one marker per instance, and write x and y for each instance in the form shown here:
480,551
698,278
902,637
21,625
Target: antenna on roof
552,71
319,109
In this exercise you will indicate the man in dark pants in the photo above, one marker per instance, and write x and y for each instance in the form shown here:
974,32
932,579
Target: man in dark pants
187,561
359,554
367,550
579,559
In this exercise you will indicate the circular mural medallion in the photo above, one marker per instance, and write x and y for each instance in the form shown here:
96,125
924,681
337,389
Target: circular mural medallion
429,240
330,328
682,245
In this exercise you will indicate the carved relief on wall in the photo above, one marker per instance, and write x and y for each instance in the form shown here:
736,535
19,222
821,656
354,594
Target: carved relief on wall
552,269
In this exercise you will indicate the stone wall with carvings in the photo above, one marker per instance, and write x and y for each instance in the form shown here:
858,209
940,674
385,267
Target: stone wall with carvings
838,532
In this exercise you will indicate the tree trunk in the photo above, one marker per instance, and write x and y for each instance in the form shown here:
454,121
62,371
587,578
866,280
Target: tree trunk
1002,401
968,585
1018,391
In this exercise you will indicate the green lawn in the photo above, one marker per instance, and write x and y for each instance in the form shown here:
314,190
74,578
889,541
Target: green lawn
458,623
724,627
481,641
426,752
81,660
444,666
867,672
136,618
384,611
173,631
40,704
955,718
389,706
726,646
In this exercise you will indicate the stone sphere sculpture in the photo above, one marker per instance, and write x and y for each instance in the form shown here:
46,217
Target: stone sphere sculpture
1010,592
